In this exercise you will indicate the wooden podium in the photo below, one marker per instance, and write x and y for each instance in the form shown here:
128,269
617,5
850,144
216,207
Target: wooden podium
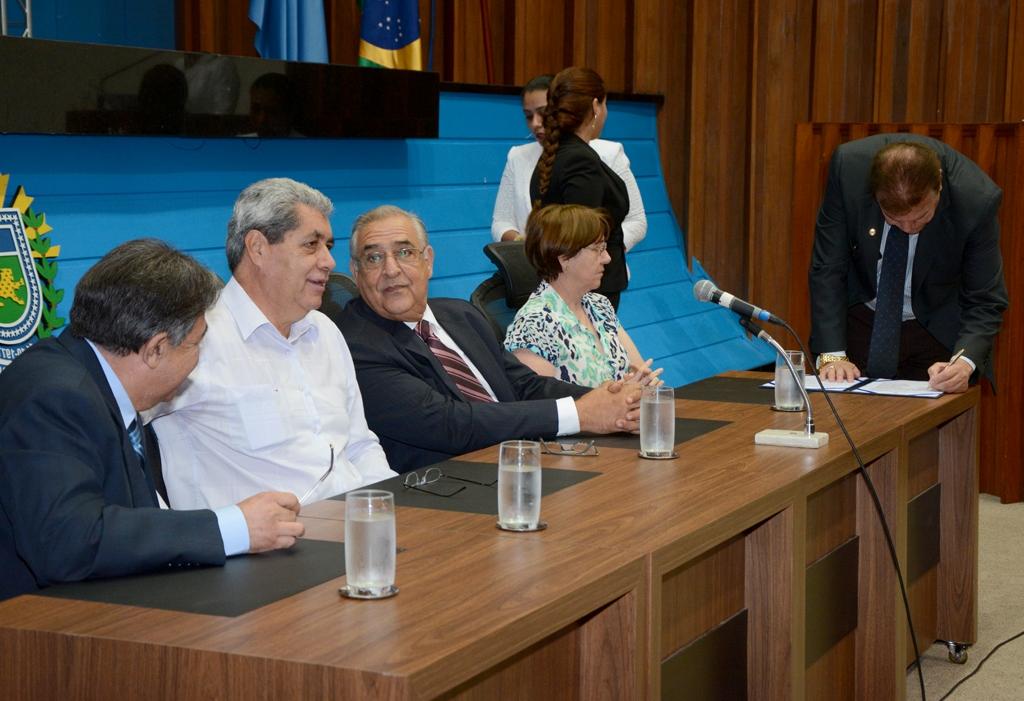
999,150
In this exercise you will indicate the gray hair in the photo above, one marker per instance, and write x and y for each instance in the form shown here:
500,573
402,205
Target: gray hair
138,290
385,211
269,207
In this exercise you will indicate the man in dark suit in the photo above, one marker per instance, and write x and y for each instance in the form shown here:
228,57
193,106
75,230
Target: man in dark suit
903,310
76,498
435,382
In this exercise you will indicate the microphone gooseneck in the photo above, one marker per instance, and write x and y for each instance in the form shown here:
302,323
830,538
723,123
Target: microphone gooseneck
766,337
705,291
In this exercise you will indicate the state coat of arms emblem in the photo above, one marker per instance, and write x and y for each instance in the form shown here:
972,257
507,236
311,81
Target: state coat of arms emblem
28,297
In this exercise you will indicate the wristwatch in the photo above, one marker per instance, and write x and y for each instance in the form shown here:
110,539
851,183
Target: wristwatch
826,358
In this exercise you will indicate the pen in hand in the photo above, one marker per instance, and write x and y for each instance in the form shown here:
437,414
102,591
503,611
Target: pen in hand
956,356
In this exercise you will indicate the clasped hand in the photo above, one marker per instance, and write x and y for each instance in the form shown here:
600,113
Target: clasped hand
644,376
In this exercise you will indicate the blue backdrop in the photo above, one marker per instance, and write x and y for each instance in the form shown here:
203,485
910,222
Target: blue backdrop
98,191
149,23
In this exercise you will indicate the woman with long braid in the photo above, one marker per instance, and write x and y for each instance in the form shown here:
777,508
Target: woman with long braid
570,172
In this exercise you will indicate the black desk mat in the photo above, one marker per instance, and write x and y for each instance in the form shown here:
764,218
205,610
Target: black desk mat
243,584
475,498
686,429
736,390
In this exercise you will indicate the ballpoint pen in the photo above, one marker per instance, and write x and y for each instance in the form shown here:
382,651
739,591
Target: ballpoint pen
956,356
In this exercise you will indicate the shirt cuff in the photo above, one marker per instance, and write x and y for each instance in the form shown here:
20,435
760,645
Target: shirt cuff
969,362
234,531
568,417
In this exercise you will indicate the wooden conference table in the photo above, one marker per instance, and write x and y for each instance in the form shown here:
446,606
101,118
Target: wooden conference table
734,570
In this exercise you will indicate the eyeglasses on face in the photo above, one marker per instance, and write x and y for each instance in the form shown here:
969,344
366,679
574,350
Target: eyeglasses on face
598,247
403,255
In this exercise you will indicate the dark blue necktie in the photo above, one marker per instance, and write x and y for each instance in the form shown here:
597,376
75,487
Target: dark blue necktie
884,352
135,436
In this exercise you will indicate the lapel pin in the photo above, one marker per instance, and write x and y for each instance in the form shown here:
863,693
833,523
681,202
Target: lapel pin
872,232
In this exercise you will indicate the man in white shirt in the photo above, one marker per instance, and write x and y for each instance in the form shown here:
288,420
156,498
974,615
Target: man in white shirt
274,401
512,205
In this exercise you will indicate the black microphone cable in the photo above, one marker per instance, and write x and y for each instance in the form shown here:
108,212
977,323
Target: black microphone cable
871,490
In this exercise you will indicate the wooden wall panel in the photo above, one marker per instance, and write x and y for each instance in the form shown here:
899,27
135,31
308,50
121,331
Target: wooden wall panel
603,40
543,33
661,63
466,50
907,61
222,26
342,18
843,60
781,78
719,139
1014,108
975,66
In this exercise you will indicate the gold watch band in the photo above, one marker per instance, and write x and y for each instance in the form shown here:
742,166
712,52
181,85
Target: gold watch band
826,358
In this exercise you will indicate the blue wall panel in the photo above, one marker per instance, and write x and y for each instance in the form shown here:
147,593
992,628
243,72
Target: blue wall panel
98,191
124,22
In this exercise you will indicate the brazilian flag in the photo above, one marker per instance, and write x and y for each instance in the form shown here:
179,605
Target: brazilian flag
390,34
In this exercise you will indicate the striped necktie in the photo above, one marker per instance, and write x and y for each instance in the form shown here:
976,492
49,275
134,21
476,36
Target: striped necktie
453,363
884,351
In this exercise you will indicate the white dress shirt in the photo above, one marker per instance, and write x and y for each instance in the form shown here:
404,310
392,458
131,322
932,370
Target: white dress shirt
568,416
512,205
908,308
260,412
234,532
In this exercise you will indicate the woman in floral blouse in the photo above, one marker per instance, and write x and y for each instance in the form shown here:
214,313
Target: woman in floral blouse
564,330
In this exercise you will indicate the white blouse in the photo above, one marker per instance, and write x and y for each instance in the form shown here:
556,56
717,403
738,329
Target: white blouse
512,205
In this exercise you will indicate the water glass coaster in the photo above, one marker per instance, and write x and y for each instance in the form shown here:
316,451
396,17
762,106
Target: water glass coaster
350,592
672,456
541,525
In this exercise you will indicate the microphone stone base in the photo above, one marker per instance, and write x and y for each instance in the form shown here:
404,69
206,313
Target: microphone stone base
791,439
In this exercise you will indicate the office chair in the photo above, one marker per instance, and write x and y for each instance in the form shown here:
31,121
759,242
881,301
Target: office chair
501,295
340,289
519,276
490,298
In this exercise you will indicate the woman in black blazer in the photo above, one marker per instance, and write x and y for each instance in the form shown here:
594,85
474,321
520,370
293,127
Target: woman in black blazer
570,172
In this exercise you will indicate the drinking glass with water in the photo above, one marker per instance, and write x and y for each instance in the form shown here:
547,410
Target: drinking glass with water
788,396
519,486
370,544
657,422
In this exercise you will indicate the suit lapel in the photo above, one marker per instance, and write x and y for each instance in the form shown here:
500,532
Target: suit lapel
869,247
138,481
930,242
410,345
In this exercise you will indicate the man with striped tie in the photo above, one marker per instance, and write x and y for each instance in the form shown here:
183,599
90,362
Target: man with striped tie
435,381
77,495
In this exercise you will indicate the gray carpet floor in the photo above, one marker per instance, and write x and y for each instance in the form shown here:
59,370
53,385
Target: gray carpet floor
1000,617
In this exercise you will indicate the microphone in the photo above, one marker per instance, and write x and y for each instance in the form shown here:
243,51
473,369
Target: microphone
808,438
705,291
